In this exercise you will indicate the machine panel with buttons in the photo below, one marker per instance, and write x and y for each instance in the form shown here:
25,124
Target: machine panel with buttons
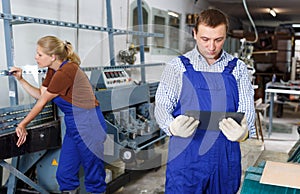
110,77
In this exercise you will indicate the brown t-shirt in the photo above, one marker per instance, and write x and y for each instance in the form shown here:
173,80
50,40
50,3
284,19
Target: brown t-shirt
71,84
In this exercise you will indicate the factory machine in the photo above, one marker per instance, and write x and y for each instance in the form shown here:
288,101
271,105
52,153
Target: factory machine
128,108
44,136
132,135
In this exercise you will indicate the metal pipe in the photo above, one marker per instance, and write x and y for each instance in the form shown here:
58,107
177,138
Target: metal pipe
110,33
77,30
9,47
150,143
21,176
8,34
142,53
123,66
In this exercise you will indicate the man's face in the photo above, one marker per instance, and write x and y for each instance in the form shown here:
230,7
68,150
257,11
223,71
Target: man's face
210,41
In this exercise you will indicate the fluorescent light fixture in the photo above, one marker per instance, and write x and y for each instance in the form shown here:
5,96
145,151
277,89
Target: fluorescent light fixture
272,12
296,25
171,13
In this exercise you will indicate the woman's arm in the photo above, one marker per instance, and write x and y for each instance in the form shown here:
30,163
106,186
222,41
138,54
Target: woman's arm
33,91
38,107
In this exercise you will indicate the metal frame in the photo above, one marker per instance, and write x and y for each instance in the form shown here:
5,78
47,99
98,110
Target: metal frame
11,19
19,19
277,88
20,173
9,47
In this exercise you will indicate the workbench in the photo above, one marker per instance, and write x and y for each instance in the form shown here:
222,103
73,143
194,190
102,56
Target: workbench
253,184
272,88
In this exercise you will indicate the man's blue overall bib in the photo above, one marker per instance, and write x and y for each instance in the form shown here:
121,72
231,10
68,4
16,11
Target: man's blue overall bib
207,162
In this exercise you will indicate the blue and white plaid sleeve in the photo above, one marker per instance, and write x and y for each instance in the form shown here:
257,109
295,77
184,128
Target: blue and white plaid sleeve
167,95
169,89
246,96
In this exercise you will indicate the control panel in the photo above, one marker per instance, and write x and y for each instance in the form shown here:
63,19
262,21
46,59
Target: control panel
116,77
110,77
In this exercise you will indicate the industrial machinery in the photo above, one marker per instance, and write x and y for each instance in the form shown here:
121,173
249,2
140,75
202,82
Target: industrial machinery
128,56
245,54
131,135
44,135
128,108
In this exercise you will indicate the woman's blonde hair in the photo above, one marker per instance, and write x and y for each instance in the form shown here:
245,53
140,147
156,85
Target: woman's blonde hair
63,50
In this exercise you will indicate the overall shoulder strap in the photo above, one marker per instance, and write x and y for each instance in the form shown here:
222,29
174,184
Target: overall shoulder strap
186,62
231,65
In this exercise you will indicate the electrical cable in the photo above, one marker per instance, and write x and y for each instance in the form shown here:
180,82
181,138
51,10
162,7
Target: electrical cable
253,25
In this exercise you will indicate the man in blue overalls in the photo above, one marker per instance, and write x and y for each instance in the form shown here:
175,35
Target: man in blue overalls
205,79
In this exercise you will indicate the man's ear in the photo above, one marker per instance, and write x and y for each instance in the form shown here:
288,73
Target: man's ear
194,33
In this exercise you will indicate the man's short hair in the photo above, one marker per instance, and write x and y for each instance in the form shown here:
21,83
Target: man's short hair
212,18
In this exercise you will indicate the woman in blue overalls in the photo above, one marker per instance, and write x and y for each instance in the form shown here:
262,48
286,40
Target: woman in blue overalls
205,79
69,88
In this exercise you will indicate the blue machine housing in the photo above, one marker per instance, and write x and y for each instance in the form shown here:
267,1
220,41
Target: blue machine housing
128,111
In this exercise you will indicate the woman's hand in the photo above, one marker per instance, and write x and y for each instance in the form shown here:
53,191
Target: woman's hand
17,72
21,133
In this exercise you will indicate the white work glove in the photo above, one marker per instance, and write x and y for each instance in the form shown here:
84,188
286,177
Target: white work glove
234,131
183,126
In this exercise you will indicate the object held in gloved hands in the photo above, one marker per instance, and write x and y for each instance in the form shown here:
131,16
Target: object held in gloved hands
234,131
210,120
183,126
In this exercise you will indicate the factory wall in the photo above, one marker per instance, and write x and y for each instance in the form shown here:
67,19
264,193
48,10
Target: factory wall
92,46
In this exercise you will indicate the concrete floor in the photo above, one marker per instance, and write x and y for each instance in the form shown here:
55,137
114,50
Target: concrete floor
274,148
